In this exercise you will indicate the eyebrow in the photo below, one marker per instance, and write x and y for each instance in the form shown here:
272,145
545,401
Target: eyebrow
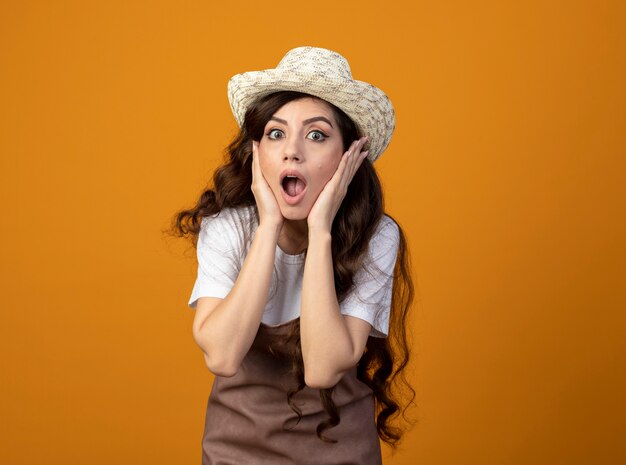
306,121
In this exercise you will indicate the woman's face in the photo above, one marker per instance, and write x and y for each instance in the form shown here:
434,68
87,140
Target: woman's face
299,152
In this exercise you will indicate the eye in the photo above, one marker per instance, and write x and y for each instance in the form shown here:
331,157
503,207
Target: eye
275,134
317,136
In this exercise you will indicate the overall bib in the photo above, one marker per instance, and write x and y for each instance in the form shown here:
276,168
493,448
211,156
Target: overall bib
249,422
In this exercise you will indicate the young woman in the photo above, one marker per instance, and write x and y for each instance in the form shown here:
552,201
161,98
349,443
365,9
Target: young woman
303,285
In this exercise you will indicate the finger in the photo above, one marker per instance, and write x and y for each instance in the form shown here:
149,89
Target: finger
255,155
354,164
361,142
353,151
355,158
345,171
353,147
255,149
356,152
254,161
341,169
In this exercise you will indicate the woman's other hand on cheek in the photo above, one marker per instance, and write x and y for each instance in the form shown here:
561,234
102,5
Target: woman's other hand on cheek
323,212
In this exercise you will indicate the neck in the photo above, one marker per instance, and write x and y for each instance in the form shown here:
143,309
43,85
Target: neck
294,236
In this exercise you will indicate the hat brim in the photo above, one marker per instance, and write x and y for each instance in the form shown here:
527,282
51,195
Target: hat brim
369,107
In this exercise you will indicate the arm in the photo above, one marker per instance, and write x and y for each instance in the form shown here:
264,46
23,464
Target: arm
225,328
331,343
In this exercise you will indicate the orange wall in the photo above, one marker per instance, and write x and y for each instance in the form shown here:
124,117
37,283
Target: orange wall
506,170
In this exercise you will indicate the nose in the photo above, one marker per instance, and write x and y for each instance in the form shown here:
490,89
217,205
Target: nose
292,150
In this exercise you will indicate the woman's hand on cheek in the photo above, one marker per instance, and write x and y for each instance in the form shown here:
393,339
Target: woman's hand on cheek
327,204
269,211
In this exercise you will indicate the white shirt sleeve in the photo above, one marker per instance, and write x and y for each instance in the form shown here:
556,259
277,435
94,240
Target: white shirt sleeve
370,299
218,251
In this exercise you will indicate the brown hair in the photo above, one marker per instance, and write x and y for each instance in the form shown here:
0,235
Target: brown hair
382,365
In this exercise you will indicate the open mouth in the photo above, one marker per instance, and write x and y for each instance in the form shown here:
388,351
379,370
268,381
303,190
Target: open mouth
293,185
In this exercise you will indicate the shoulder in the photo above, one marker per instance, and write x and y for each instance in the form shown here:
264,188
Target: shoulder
382,250
386,235
229,219
387,225
230,227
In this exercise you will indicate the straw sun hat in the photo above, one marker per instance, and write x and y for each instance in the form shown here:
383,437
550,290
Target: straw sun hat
324,74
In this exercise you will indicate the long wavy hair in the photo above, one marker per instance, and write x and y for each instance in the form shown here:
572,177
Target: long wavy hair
383,363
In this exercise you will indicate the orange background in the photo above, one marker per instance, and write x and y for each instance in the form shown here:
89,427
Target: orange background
506,170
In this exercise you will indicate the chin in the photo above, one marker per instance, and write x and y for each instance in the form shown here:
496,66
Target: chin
297,213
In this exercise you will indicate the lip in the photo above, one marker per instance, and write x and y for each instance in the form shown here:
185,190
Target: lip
288,198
